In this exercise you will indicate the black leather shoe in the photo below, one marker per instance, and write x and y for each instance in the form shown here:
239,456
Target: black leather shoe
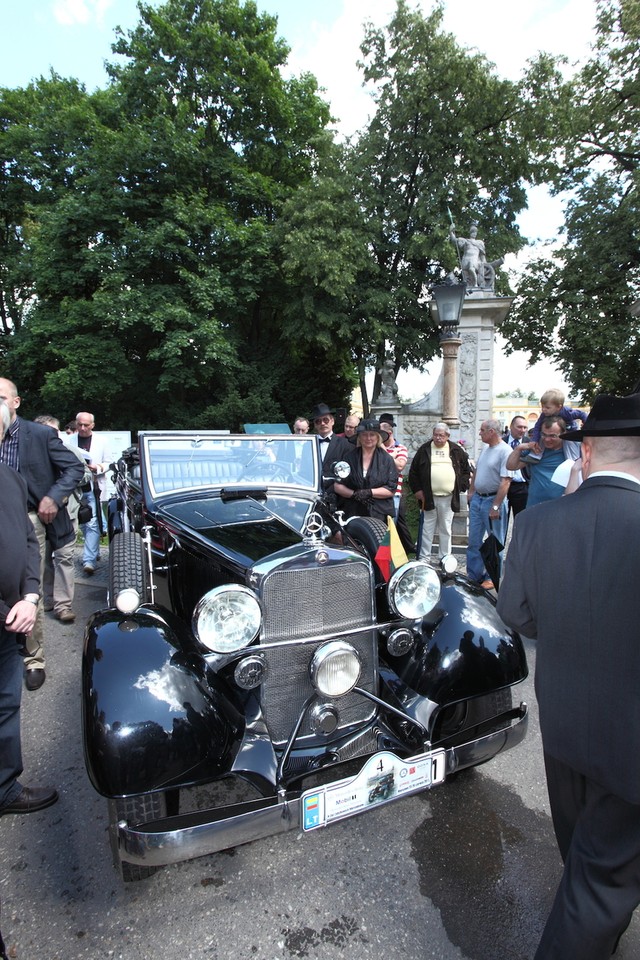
35,679
31,799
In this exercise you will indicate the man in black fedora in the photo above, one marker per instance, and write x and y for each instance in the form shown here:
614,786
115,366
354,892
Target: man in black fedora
571,582
332,447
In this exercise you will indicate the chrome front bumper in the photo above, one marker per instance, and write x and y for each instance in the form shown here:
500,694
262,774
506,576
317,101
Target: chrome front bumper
187,836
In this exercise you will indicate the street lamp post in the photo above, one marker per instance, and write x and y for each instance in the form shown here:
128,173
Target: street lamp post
449,298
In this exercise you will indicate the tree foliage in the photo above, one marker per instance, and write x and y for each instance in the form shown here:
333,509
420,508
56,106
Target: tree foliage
147,224
447,134
573,303
190,246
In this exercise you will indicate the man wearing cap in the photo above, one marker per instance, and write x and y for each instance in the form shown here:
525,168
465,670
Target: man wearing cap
399,454
570,583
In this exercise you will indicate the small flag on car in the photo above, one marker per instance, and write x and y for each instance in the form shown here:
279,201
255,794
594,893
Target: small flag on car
390,554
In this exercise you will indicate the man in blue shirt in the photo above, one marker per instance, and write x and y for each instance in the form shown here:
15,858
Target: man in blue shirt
547,456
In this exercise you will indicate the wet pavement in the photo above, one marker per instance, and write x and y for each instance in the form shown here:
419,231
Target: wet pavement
466,871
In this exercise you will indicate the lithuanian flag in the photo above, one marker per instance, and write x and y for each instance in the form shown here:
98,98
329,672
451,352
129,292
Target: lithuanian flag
390,554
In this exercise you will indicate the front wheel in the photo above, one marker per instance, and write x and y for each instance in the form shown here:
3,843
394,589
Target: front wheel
367,532
142,809
469,719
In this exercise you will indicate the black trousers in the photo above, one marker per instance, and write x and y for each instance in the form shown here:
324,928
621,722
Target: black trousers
598,835
403,529
517,497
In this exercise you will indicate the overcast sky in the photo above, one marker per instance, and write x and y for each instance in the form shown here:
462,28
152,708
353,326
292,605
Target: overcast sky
73,37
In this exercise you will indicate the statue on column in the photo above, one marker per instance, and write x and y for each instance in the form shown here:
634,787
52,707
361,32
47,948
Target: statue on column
477,272
388,385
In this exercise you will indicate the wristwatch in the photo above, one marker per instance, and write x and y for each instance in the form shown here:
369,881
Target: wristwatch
495,506
32,598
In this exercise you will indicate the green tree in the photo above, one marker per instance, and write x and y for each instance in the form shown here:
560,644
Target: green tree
158,291
43,131
573,302
447,133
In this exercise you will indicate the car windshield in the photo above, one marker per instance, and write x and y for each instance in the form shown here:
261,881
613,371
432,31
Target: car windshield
180,461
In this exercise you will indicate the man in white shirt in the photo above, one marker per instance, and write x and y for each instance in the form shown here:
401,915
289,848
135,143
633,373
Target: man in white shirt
96,455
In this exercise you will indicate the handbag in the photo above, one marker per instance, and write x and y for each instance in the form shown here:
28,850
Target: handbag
84,513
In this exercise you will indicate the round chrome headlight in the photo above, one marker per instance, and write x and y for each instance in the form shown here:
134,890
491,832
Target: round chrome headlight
335,668
414,589
227,618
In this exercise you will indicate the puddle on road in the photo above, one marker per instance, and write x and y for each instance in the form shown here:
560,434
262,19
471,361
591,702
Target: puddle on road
489,864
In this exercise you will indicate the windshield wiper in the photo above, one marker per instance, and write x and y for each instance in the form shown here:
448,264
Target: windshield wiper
243,493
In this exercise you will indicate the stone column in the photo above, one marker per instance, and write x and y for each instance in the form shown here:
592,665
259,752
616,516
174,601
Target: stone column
463,393
481,316
450,348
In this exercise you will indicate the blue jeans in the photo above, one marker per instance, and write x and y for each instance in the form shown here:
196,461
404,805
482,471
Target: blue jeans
11,668
91,533
479,513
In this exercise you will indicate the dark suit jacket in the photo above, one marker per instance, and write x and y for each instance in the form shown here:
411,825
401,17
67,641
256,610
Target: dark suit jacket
48,467
571,581
338,448
19,553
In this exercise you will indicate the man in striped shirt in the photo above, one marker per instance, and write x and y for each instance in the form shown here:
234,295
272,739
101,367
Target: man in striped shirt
400,455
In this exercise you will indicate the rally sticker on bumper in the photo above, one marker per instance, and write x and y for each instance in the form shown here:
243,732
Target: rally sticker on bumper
383,778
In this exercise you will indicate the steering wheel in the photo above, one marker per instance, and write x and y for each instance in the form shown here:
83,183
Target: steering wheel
274,472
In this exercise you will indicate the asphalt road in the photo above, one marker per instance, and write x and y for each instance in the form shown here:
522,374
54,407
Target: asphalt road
464,872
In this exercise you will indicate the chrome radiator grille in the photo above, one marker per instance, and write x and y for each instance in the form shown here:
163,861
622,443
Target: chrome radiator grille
301,604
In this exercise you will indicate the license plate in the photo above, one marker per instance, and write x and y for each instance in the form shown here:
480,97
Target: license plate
383,778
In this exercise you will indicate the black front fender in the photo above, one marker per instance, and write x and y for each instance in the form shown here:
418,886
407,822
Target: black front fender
465,650
152,716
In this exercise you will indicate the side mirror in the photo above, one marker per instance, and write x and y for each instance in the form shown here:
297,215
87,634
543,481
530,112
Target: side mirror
341,470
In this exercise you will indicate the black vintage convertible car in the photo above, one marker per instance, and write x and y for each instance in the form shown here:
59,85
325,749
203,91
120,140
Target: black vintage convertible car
254,670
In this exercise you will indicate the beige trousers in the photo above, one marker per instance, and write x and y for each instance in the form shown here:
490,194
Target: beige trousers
58,581
440,520
34,641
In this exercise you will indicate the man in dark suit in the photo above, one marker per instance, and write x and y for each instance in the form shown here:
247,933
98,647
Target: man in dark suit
52,472
332,446
519,486
571,582
19,591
